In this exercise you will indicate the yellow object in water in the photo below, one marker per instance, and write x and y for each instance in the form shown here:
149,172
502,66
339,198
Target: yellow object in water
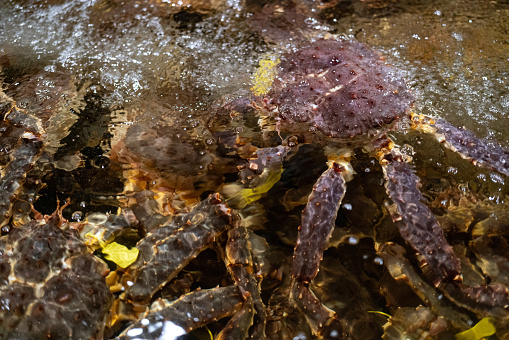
120,254
254,194
482,329
264,76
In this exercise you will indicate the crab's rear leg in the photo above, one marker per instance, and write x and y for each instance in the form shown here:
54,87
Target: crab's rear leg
479,151
316,228
419,227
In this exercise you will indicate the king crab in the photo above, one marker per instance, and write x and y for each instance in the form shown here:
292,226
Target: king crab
341,95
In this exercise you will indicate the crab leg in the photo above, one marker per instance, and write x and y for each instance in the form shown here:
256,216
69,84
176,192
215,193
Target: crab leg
189,312
240,265
163,256
466,143
316,228
402,270
420,228
23,158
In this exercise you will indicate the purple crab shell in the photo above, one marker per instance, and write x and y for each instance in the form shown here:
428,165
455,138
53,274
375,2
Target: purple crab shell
341,88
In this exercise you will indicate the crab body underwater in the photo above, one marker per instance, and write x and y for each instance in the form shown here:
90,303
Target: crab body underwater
334,93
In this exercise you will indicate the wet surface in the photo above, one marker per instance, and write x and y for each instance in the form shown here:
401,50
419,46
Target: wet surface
124,108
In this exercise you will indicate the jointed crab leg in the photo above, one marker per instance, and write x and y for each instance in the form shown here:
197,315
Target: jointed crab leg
241,267
168,249
317,224
466,143
419,227
191,311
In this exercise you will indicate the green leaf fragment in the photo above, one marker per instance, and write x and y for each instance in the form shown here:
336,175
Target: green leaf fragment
482,329
379,312
120,254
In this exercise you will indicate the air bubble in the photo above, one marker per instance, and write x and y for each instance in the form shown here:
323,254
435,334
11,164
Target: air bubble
77,216
97,218
101,162
452,170
353,240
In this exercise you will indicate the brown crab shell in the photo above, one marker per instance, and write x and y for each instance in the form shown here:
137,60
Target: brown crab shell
51,286
340,89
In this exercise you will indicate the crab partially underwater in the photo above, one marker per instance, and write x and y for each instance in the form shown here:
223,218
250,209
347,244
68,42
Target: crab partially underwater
341,95
336,94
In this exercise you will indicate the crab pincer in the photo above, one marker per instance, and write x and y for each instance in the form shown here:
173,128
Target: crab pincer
316,228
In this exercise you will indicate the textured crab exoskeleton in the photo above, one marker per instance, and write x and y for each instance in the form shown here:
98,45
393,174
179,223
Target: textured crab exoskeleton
168,248
20,146
51,284
420,228
341,94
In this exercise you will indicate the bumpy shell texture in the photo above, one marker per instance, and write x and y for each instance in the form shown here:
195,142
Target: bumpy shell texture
51,286
340,87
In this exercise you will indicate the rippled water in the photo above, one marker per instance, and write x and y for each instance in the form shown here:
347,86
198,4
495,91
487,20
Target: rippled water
453,53
99,66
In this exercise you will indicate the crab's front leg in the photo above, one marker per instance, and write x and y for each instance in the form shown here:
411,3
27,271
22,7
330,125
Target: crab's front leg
419,227
479,151
316,228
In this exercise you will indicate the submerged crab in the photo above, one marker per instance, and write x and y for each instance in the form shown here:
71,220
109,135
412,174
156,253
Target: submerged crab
51,287
20,136
342,95
168,247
